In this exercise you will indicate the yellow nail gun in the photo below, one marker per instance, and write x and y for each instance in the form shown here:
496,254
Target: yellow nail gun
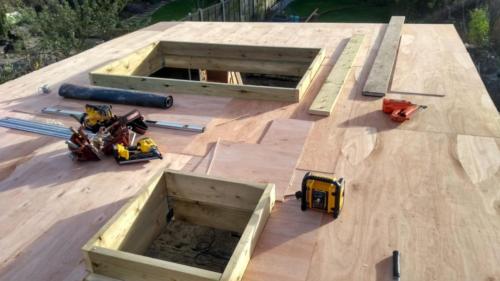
323,193
145,150
96,116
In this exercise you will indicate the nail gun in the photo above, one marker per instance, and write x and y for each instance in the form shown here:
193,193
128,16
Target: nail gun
145,150
400,110
97,116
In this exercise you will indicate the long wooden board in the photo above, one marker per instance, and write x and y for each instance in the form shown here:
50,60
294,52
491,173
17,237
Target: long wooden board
327,97
380,74
161,85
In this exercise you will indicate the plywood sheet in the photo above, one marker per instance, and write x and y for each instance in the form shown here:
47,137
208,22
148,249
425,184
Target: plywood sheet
289,135
282,144
254,162
418,200
287,243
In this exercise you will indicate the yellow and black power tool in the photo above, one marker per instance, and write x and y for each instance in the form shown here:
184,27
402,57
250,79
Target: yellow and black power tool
323,193
145,150
96,116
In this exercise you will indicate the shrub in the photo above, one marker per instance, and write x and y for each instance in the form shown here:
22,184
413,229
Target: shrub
479,27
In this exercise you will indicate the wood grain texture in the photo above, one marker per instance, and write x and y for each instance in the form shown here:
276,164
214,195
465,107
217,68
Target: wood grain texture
255,162
130,267
381,71
244,250
479,156
289,135
165,86
332,87
408,186
230,219
282,146
415,202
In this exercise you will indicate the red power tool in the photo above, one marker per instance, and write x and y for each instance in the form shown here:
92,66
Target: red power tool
400,110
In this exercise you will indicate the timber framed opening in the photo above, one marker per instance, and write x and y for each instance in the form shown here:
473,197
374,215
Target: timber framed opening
214,70
120,249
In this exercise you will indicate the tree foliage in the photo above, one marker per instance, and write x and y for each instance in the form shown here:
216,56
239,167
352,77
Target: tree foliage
479,27
64,26
3,21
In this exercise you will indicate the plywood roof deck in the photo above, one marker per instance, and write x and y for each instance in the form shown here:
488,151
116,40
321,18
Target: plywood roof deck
429,187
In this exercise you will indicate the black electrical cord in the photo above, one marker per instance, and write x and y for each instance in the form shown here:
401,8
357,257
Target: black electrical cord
204,250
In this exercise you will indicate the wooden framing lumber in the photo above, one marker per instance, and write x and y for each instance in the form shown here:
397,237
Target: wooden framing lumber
242,52
133,71
98,277
231,64
115,252
243,252
310,74
232,219
327,97
113,234
162,85
379,77
127,266
135,62
215,190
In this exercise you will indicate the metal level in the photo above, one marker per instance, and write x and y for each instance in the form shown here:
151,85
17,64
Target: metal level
152,123
36,127
175,126
63,112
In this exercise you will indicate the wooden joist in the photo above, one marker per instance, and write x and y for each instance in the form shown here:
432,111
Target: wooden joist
327,97
378,80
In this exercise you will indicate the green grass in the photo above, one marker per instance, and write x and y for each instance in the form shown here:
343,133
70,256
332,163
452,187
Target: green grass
341,10
178,9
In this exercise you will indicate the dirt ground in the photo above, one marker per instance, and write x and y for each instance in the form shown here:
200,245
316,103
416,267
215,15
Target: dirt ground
194,245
